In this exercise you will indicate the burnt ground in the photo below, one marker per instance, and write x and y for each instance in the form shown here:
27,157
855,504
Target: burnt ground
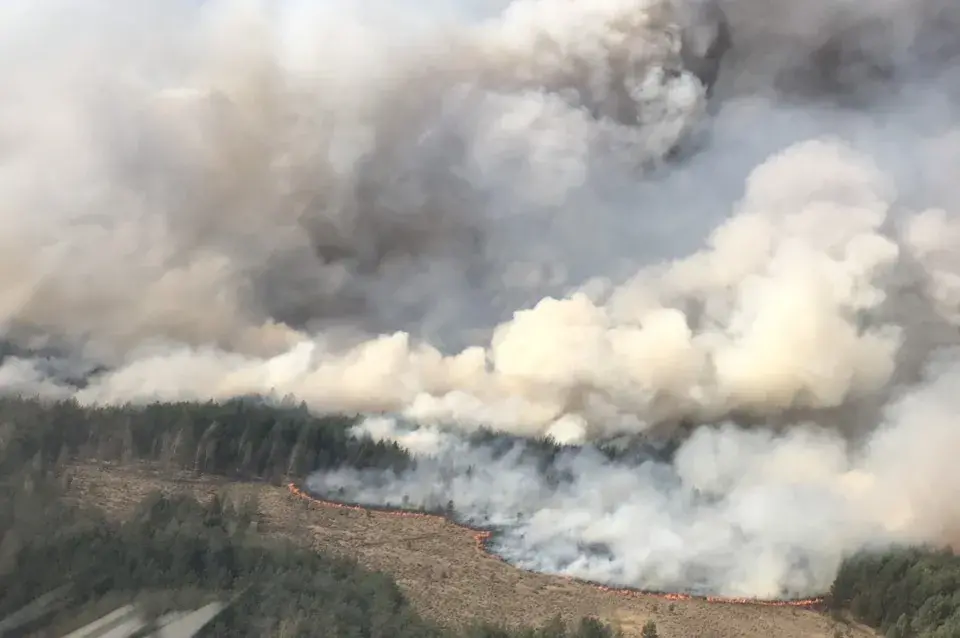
438,566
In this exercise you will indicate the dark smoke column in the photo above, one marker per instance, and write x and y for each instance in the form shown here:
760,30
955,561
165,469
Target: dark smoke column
705,39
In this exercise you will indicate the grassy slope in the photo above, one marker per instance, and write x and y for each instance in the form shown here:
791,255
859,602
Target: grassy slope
440,569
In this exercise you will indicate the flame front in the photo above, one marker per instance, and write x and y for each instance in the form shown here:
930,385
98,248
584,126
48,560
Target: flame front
482,537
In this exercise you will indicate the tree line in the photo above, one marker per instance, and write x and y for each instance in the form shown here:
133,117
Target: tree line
904,592
243,438
176,544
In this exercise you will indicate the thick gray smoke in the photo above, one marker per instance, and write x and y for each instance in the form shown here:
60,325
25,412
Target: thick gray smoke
734,511
525,215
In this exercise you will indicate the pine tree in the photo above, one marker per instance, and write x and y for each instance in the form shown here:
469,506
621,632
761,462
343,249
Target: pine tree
297,466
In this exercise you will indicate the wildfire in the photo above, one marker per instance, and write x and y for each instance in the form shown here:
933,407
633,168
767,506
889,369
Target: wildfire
482,537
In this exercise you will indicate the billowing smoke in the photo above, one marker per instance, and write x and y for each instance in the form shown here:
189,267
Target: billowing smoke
733,511
730,226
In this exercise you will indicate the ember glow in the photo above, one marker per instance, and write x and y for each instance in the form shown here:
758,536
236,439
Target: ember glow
482,538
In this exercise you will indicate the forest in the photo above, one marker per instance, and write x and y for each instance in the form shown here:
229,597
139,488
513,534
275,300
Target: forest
180,543
192,551
187,550
904,592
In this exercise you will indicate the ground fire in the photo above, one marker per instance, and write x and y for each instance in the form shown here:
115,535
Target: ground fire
482,537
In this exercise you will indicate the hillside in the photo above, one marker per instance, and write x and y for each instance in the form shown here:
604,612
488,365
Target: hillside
437,565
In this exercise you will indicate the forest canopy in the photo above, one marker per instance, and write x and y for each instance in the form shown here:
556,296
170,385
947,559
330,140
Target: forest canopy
178,542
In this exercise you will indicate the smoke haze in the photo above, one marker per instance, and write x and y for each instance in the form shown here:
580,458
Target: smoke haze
525,216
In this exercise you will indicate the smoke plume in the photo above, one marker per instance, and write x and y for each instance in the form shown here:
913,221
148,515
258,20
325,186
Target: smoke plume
729,225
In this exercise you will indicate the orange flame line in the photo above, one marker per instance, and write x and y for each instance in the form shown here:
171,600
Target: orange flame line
482,537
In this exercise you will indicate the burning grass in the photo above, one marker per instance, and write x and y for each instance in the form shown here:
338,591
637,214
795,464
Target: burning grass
438,567
482,539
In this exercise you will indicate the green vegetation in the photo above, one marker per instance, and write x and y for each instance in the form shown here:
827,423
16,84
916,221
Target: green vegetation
181,546
178,543
242,438
904,592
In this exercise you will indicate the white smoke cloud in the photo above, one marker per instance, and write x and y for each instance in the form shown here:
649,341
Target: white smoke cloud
787,295
516,215
260,178
735,512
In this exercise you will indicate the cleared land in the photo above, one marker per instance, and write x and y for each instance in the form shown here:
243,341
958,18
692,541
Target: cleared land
438,565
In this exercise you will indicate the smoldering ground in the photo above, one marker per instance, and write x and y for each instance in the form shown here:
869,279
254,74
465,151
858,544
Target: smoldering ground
732,511
525,216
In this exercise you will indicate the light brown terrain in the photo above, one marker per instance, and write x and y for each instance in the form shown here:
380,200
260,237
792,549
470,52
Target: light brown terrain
439,568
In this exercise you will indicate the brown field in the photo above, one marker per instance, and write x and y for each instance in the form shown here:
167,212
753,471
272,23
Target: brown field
439,568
